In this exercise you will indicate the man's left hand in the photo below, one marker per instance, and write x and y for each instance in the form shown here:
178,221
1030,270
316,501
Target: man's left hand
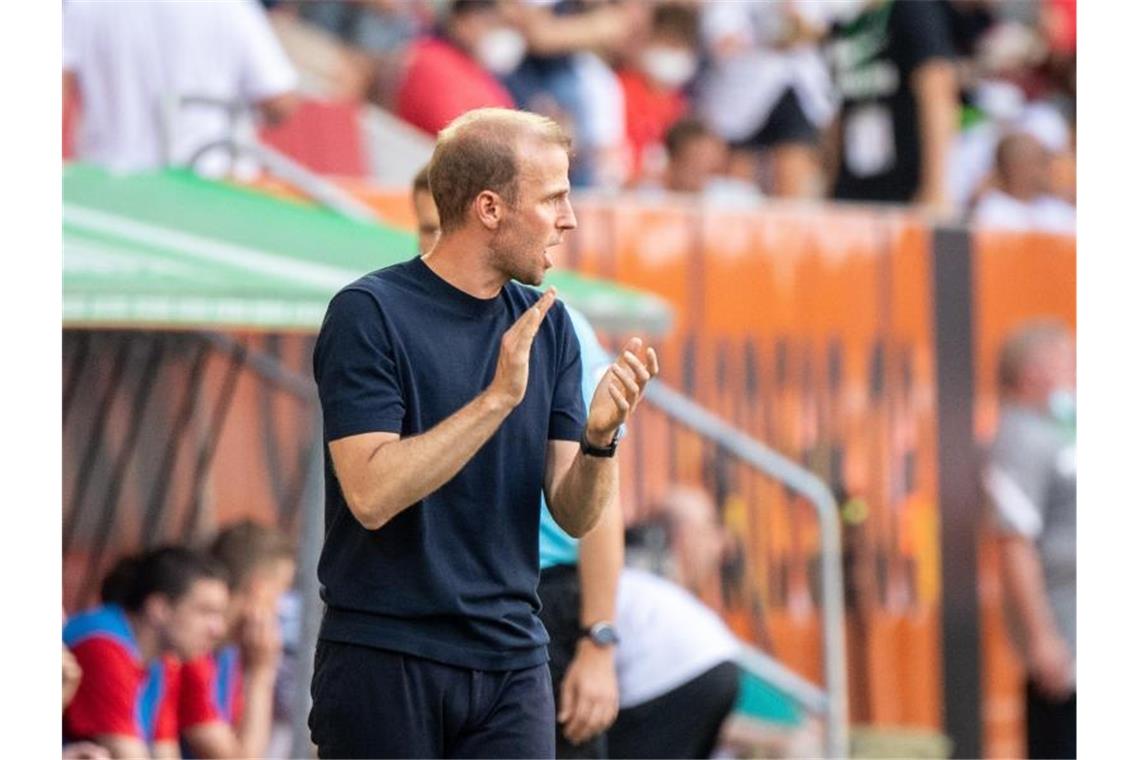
619,392
588,703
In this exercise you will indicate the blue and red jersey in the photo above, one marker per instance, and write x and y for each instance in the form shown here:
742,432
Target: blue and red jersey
210,689
119,692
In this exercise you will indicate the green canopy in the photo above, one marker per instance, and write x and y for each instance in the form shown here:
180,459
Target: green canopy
173,250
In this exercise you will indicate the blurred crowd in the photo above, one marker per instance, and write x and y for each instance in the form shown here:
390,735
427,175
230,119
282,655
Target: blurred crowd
964,108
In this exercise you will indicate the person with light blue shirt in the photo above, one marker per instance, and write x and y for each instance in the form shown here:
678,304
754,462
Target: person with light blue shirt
578,589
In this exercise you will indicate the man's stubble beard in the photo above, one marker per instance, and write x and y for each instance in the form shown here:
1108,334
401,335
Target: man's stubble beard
508,257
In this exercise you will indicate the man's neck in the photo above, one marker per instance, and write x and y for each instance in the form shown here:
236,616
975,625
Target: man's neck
464,263
146,638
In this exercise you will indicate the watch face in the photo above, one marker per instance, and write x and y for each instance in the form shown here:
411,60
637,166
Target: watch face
604,634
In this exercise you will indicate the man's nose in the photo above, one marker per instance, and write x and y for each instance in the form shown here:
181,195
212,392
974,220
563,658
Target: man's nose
567,220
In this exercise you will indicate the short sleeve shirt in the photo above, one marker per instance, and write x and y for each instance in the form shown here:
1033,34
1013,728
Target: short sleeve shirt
452,577
1030,482
441,83
873,58
210,689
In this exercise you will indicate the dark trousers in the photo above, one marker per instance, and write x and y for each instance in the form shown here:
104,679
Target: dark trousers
1050,727
682,723
376,703
561,593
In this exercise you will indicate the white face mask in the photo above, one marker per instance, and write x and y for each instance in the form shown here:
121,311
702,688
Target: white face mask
501,50
1063,406
670,66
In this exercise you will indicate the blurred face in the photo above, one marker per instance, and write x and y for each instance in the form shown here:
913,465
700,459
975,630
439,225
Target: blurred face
265,587
427,220
1027,169
702,547
536,223
487,36
1052,368
195,624
1060,365
697,161
668,62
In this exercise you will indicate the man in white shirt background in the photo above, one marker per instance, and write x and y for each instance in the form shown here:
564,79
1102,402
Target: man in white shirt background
1021,199
130,62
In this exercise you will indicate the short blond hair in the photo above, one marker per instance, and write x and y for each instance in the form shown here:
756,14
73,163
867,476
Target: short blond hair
480,151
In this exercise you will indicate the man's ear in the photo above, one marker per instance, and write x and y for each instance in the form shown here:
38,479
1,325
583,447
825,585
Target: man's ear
158,609
489,209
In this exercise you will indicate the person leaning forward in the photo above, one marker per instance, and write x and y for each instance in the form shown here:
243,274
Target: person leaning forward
451,400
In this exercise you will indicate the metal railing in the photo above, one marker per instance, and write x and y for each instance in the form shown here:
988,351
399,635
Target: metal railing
831,700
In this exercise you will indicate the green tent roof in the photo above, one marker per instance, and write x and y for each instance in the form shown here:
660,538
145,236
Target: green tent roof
173,250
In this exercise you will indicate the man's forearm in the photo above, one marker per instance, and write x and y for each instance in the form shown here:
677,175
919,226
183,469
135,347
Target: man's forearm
936,94
123,746
402,472
600,556
1025,582
588,486
547,34
257,715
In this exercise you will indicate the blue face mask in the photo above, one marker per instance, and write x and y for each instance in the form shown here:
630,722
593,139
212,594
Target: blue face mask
1063,406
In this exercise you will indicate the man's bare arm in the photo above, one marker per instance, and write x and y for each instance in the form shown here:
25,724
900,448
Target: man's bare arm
120,745
382,474
588,703
1049,661
936,92
579,488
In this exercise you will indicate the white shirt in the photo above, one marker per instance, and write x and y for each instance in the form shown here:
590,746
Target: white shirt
131,58
668,637
1045,213
741,89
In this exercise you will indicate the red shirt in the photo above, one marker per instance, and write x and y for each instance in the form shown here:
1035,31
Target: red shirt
118,693
649,112
210,689
442,82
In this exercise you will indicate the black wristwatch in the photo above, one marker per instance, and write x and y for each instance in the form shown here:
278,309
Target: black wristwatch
591,450
603,634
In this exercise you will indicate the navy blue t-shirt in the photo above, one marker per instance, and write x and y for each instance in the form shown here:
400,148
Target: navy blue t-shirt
453,577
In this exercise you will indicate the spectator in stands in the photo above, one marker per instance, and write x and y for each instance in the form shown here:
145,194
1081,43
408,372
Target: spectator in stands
563,76
376,26
696,155
767,91
894,70
427,215
1031,483
652,85
225,704
1021,198
168,600
138,65
454,71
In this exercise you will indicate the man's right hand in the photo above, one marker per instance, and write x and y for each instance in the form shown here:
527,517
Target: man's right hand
513,367
1051,667
261,640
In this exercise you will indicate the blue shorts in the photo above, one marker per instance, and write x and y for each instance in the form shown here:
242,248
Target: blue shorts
371,702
